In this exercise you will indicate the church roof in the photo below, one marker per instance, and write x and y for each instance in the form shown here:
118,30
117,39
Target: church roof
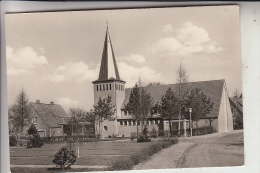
52,114
108,68
212,89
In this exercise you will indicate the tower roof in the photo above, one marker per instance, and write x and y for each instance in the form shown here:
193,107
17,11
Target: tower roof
108,68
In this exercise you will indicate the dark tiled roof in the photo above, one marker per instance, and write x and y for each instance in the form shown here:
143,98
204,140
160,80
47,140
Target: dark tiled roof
51,114
212,89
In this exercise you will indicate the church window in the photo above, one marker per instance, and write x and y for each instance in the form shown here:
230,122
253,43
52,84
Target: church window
138,123
129,123
104,87
110,86
125,112
97,87
100,87
121,123
107,87
156,121
125,123
134,123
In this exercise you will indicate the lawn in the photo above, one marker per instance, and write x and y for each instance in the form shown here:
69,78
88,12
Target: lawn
100,153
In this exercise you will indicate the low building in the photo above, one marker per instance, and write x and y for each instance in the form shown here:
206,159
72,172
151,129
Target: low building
48,118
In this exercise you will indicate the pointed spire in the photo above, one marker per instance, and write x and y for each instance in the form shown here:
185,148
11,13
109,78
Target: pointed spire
108,68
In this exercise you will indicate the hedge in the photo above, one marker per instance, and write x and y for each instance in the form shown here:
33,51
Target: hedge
128,163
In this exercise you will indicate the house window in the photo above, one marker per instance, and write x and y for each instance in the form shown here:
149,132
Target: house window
100,87
107,87
34,120
110,86
156,121
134,123
97,87
125,112
151,121
125,123
129,123
104,87
121,123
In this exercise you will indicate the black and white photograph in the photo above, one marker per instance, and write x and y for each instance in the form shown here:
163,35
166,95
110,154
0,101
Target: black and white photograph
124,89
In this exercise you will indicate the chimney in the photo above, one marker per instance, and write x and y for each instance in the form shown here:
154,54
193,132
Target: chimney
52,103
37,101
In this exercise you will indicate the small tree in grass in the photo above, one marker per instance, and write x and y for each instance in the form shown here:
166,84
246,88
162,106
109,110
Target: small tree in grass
35,140
64,158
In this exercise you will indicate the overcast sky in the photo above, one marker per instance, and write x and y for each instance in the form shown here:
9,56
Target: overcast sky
55,56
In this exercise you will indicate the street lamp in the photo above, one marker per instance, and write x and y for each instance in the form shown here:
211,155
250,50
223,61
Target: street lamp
190,110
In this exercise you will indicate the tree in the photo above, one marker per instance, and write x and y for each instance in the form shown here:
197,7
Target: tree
64,158
139,105
34,138
200,104
78,114
182,78
169,106
155,84
133,105
19,111
146,104
104,109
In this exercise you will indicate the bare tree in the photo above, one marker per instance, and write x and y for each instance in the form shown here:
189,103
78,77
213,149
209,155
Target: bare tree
181,90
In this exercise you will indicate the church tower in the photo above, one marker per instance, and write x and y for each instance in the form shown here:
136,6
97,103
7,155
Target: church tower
109,82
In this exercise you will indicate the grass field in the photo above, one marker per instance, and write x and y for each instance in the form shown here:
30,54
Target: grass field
100,153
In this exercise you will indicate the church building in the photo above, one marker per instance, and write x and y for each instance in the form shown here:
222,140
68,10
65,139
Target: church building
122,124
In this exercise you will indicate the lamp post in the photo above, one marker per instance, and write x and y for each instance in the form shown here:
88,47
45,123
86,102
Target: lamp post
190,110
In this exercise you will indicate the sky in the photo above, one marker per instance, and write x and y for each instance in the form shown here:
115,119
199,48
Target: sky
55,56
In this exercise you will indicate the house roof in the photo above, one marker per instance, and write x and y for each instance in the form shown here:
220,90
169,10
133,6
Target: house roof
52,114
212,89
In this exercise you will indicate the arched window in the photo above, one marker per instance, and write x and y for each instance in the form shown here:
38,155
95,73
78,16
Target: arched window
97,87
100,87
110,86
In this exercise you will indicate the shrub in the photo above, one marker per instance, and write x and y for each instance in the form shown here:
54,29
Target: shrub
122,164
64,158
153,133
12,140
34,138
144,136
